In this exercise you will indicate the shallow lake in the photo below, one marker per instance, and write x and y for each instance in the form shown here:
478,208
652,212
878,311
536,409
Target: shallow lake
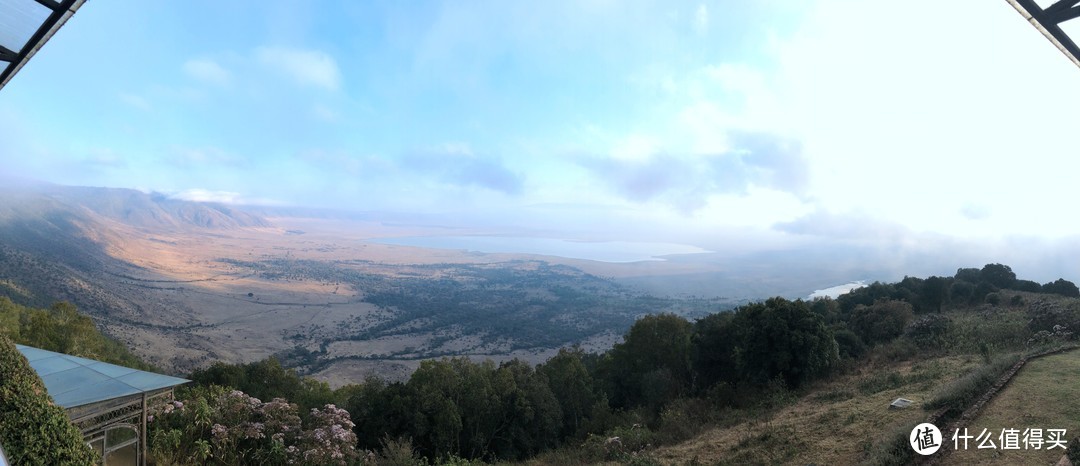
604,251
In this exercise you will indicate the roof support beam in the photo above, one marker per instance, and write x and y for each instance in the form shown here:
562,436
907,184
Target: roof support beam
50,4
7,55
61,11
1047,21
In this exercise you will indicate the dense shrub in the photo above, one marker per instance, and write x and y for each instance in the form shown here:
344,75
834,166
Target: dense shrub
215,425
849,344
929,330
1045,316
32,429
267,379
1062,287
882,321
63,329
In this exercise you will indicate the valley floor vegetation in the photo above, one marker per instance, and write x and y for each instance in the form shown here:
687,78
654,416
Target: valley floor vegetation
745,386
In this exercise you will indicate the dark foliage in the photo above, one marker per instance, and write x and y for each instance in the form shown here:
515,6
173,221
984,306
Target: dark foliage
881,322
1001,276
1062,287
32,429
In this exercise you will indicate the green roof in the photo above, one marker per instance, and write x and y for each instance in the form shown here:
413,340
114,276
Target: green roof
73,381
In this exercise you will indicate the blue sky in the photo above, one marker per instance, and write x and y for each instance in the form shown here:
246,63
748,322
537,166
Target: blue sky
764,121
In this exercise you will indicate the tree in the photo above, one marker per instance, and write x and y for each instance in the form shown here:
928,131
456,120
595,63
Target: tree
531,415
1027,285
827,308
654,342
848,343
713,349
573,386
881,322
935,291
981,290
1001,276
969,275
437,422
866,296
381,410
782,339
1062,287
960,292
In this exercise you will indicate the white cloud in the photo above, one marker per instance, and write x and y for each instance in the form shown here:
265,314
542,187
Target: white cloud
135,101
222,197
920,127
701,19
635,147
206,195
207,71
306,67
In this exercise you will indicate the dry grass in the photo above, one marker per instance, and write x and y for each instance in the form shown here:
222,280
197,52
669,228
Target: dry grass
835,422
1043,395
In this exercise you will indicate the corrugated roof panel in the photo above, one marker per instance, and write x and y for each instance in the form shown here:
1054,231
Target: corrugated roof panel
111,370
78,378
19,19
105,390
147,381
73,381
49,366
33,354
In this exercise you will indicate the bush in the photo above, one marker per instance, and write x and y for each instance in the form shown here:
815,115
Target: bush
218,426
32,429
849,344
930,330
1062,287
399,452
1073,452
882,321
894,449
619,444
1046,316
959,394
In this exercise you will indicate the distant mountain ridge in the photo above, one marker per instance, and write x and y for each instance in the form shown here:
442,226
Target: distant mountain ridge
145,210
52,238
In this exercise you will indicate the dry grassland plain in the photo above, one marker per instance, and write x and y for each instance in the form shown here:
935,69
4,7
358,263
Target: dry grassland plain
200,297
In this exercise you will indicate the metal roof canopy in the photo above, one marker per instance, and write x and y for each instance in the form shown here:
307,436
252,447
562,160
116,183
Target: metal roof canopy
73,381
1047,21
25,25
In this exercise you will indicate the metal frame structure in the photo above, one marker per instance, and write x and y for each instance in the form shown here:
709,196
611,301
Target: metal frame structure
15,59
1047,21
109,404
96,421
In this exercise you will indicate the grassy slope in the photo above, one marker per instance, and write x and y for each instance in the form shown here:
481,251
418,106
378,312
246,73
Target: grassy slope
843,419
835,422
1042,395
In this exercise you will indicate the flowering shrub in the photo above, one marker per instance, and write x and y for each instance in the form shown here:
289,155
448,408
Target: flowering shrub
221,426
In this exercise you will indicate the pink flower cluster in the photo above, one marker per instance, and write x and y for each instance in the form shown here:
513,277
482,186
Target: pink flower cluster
332,441
241,426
